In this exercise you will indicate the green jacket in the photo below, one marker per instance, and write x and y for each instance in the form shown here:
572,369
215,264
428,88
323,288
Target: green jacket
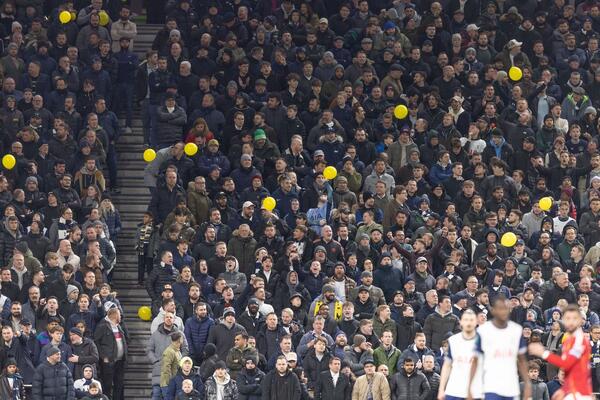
380,356
389,325
169,365
236,359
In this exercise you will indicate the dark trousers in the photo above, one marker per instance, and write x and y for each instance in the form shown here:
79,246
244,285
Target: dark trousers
153,111
124,101
144,267
146,122
111,161
112,377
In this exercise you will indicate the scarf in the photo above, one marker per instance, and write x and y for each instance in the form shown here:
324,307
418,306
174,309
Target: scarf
456,114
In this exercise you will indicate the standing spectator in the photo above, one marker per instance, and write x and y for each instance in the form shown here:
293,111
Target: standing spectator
281,383
84,351
222,335
409,383
249,380
170,361
165,197
220,385
333,385
197,330
162,274
387,354
123,28
438,324
371,385
159,341
11,382
52,379
171,120
112,340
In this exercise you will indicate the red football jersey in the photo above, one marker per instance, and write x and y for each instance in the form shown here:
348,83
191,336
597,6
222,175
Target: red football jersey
575,361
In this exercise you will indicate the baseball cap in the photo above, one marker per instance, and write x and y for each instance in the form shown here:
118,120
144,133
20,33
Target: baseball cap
248,204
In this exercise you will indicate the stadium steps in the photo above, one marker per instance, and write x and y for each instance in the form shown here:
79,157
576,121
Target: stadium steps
132,202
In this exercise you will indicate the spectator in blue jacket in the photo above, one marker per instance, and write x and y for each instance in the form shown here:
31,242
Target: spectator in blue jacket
442,170
212,156
196,331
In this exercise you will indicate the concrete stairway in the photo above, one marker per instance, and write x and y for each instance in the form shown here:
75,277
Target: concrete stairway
132,202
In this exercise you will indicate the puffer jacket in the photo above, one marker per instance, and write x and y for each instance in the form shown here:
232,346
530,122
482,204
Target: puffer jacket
170,125
205,162
159,277
230,391
413,387
53,382
196,333
243,250
8,240
38,244
437,327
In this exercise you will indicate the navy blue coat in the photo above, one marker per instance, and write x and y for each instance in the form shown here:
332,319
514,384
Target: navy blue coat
196,333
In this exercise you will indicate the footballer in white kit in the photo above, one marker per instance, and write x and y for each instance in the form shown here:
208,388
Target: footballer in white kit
454,380
502,350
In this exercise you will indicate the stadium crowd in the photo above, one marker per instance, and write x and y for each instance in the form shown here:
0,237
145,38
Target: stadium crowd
349,287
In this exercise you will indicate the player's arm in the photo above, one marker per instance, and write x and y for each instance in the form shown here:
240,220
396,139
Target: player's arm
444,375
564,362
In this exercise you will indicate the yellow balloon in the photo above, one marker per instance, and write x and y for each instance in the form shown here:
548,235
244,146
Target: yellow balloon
269,203
9,161
546,203
330,173
145,313
64,17
190,149
401,111
515,73
73,16
509,239
104,19
149,155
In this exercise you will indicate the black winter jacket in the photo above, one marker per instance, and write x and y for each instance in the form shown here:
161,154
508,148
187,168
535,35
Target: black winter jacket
106,342
53,382
159,277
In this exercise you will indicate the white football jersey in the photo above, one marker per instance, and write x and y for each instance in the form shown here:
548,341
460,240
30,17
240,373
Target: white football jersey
460,352
499,349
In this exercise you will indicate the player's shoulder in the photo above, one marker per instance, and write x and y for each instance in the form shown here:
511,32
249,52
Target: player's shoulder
458,338
513,326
